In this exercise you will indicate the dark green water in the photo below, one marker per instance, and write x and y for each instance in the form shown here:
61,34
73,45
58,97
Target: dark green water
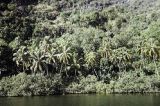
83,100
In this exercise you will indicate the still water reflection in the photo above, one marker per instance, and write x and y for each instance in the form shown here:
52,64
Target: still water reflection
83,100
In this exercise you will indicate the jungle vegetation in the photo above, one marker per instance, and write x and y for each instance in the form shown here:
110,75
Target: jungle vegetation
52,47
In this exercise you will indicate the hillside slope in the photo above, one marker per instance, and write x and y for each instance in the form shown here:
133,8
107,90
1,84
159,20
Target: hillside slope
79,46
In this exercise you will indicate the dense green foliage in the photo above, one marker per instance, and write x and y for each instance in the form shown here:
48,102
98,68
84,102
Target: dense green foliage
28,85
96,47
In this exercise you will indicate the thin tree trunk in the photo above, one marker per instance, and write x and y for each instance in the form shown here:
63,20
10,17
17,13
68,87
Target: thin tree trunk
156,69
61,69
66,71
95,73
75,72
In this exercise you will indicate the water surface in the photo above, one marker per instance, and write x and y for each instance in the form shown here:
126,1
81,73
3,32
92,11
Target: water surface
83,100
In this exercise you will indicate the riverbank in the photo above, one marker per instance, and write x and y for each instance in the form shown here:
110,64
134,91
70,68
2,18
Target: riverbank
39,85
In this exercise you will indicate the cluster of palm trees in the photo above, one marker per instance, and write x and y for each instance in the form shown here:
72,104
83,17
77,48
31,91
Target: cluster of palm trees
39,55
59,56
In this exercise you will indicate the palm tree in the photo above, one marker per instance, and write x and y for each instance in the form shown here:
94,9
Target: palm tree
51,57
64,57
75,63
21,57
38,59
39,54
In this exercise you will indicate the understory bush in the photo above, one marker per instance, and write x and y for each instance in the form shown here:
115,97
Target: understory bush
135,82
30,85
129,82
89,84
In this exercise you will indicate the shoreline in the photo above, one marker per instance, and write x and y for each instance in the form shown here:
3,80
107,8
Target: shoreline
135,93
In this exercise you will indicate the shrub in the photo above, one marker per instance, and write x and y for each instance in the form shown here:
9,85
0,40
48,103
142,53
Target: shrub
11,6
28,85
89,84
134,82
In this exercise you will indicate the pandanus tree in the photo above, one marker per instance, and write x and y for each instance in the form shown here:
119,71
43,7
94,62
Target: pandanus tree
105,52
149,49
105,49
121,57
91,61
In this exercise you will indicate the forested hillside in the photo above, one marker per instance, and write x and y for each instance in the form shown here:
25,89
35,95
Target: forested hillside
52,47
